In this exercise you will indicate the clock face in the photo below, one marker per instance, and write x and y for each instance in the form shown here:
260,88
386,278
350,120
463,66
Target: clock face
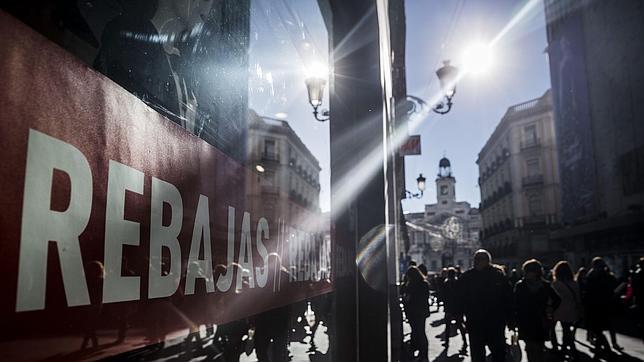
452,228
444,190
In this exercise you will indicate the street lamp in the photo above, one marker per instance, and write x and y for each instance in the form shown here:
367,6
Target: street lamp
420,183
447,76
315,84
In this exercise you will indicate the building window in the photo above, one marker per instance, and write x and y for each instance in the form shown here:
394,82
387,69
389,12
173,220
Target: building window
434,266
534,205
270,149
444,202
532,167
530,135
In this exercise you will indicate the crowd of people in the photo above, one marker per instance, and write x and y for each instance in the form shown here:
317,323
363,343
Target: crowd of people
485,300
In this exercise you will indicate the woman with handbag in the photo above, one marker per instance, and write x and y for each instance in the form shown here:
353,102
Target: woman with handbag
534,301
570,310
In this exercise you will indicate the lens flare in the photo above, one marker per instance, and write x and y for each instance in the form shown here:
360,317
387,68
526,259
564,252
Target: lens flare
478,58
317,70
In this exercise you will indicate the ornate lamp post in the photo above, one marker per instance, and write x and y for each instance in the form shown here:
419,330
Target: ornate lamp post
447,76
420,182
315,88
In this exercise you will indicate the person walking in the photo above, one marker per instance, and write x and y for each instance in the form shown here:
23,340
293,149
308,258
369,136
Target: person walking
598,303
534,302
638,296
570,310
416,303
440,282
581,277
450,296
615,310
486,302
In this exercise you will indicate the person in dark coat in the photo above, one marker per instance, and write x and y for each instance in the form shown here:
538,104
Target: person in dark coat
439,282
486,302
535,301
423,270
599,301
271,334
638,295
416,303
450,295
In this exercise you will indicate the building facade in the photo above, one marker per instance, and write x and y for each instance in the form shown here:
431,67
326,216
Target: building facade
519,184
447,232
595,50
285,166
286,189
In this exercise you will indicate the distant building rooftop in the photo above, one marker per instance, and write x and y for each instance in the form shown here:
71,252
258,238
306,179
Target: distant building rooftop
281,126
519,111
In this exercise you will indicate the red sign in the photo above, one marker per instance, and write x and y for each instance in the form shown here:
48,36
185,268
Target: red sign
109,206
411,146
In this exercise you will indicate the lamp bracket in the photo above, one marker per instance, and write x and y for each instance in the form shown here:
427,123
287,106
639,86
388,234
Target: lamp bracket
320,115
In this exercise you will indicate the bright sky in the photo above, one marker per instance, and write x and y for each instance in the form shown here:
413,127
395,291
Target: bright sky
440,29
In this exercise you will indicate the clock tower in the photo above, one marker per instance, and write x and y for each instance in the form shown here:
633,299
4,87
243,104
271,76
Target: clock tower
445,184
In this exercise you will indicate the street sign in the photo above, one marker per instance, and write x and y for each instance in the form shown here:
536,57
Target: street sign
411,146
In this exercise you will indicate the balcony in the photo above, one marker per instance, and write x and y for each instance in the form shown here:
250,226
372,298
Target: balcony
270,156
537,221
299,199
497,228
532,180
497,195
495,165
530,143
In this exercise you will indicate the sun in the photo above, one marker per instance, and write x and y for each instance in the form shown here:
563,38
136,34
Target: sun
478,58
317,70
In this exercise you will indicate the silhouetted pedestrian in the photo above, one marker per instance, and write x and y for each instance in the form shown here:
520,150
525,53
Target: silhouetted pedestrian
440,281
581,277
534,301
570,309
416,303
486,302
451,295
615,309
423,269
598,301
271,330
638,295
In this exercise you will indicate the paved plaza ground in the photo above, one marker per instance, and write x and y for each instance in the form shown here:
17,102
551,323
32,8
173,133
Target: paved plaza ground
633,348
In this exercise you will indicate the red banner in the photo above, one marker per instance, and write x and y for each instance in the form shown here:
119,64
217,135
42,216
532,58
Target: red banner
109,208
